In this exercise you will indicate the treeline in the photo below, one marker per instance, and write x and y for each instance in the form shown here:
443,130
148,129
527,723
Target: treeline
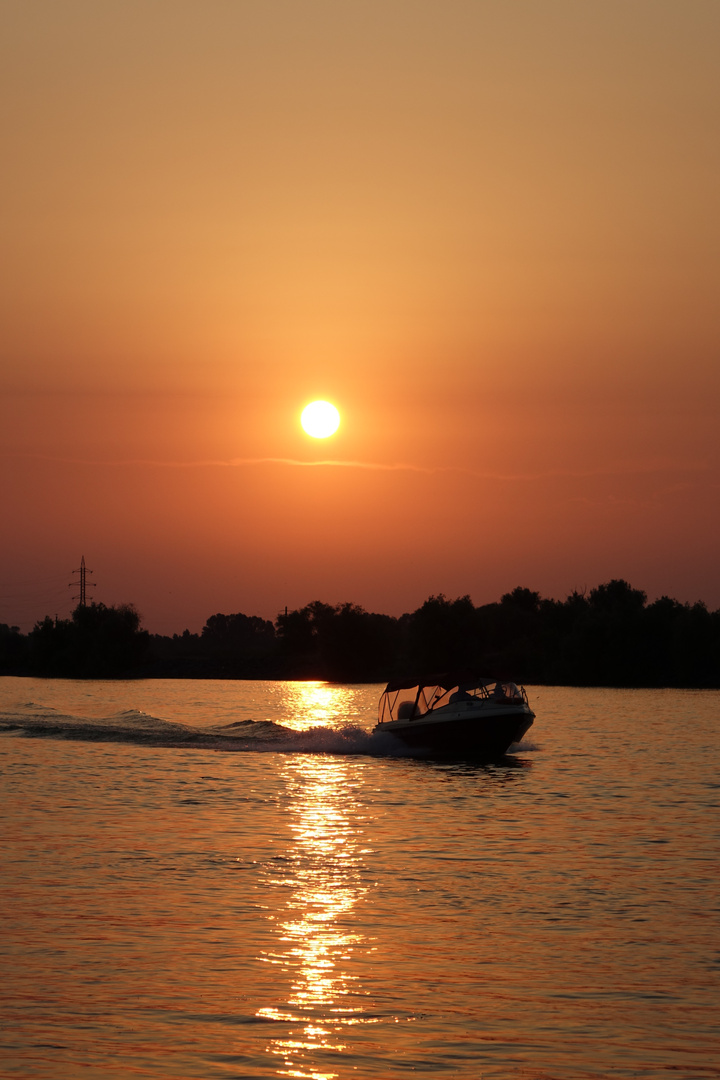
609,636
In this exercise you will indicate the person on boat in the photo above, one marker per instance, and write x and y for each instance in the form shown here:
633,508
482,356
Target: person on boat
499,692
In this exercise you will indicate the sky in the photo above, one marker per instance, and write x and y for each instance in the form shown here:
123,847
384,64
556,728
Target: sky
486,230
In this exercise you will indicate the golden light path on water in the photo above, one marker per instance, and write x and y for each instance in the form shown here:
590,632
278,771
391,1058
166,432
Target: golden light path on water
315,935
315,704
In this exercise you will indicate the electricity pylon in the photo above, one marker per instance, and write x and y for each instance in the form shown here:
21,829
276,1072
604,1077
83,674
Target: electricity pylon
82,571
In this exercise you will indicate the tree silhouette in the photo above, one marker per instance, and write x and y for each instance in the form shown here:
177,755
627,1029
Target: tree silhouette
609,636
98,642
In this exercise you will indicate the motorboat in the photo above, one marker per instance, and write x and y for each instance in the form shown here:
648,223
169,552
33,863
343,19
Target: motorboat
455,714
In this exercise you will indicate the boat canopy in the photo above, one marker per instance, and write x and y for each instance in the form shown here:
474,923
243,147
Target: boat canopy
405,698
446,680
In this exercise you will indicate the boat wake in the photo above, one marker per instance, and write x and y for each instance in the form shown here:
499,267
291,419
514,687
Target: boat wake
140,728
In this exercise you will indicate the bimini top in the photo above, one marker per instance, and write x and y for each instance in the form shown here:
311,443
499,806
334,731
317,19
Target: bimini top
412,697
447,681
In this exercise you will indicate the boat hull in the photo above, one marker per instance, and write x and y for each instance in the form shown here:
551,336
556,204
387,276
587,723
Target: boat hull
486,736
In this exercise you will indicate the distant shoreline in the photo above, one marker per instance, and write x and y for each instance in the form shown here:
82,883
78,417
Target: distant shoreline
155,676
609,637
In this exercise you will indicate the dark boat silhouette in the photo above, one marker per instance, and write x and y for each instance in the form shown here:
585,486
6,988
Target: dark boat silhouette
455,714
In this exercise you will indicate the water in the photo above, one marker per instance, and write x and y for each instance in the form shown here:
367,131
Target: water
287,897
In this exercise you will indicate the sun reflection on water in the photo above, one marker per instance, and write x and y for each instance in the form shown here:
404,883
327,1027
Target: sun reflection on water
316,935
316,704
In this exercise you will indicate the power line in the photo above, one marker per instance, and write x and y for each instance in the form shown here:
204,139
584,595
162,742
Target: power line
39,581
32,596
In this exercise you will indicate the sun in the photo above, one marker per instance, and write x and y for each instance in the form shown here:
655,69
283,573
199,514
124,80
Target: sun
320,419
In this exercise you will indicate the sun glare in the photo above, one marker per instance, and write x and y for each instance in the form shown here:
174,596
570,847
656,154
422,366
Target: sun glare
320,419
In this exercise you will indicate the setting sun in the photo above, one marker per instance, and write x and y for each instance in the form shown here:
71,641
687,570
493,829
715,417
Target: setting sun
320,419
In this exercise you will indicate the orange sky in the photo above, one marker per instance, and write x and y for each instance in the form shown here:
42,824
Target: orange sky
488,231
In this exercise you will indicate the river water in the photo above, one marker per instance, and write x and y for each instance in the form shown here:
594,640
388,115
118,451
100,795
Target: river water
235,879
